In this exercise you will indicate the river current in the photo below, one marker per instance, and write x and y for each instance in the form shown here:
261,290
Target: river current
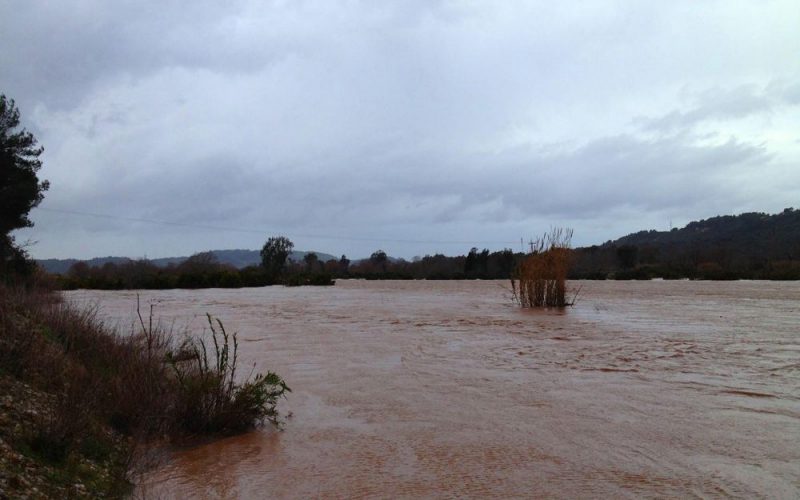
407,389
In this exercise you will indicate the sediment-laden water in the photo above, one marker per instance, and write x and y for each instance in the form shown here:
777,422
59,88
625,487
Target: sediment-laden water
445,389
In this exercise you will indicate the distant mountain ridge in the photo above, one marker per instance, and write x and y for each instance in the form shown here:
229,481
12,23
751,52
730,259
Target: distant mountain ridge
238,258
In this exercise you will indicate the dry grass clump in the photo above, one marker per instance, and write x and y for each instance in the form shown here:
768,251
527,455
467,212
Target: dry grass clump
542,275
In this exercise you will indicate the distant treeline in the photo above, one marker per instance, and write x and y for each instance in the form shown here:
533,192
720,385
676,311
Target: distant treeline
203,270
747,246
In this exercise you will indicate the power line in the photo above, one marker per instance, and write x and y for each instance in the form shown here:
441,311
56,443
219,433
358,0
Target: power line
265,231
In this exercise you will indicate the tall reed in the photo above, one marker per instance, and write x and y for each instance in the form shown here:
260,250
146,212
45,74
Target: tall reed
540,279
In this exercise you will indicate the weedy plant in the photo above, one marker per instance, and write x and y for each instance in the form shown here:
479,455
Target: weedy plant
540,279
210,399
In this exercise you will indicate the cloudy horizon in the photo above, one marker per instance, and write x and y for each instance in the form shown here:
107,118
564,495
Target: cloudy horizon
415,127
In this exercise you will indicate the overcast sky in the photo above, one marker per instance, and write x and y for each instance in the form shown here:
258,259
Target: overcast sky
411,126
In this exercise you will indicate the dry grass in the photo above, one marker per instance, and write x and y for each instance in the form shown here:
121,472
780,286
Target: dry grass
540,279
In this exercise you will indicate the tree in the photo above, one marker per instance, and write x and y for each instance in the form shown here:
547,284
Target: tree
344,264
379,259
471,262
476,264
203,262
311,259
20,188
274,254
628,256
505,262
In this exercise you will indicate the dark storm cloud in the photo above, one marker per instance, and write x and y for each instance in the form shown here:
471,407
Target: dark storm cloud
387,121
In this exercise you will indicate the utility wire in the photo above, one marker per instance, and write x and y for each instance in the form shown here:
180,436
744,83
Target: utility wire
264,231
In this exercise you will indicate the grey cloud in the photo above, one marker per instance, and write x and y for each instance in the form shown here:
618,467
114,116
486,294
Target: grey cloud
790,93
70,48
605,175
65,50
725,104
397,120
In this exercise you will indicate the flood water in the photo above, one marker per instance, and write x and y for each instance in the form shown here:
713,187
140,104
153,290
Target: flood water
446,389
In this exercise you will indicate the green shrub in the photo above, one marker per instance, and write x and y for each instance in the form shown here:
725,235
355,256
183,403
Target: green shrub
209,399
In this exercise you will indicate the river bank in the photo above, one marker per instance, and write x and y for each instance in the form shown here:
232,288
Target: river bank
82,399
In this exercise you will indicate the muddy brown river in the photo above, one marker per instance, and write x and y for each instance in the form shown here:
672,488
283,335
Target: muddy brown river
446,389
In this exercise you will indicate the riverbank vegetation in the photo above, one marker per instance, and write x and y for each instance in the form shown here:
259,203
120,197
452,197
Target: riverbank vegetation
202,270
205,271
103,395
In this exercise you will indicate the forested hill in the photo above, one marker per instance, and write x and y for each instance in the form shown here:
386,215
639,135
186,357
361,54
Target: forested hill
771,236
750,245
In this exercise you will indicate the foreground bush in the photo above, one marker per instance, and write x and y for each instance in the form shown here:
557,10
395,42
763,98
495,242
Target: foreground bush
209,399
106,392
